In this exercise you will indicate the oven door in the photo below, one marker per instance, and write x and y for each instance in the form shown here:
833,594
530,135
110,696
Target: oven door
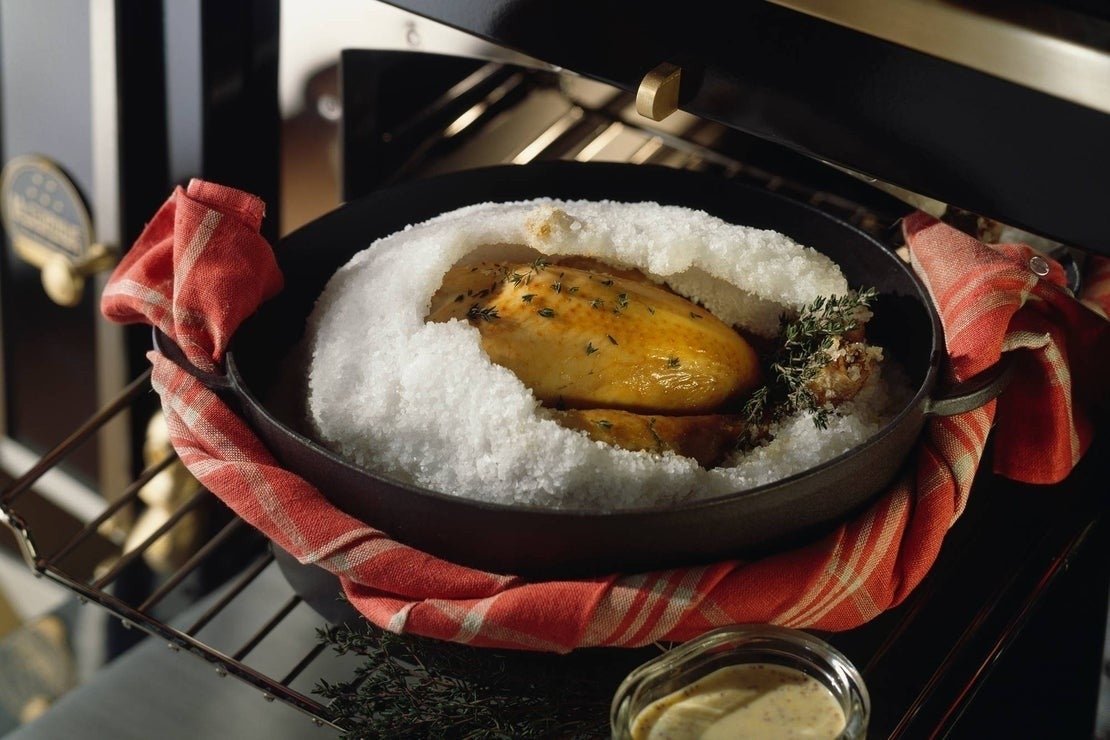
61,205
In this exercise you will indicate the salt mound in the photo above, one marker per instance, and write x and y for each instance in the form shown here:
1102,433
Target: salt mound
422,403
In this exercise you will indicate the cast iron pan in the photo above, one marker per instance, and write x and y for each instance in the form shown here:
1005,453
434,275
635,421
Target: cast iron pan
541,543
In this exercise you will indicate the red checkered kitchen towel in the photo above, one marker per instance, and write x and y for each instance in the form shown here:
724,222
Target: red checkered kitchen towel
200,267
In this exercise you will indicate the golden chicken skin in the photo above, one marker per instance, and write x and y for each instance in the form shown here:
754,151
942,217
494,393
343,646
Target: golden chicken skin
586,339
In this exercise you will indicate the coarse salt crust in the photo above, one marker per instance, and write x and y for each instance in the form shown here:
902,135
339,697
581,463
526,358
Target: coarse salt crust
422,403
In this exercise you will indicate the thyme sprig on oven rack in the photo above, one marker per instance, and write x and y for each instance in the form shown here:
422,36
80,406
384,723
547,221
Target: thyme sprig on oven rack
411,686
804,344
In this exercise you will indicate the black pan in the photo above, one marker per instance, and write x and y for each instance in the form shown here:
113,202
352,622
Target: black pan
542,543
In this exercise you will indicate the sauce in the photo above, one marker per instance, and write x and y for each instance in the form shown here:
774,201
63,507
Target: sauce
755,700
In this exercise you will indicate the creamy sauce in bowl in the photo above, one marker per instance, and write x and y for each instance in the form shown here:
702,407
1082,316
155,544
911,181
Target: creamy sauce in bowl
753,700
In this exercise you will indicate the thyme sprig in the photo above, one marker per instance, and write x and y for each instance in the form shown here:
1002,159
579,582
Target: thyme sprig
803,351
411,686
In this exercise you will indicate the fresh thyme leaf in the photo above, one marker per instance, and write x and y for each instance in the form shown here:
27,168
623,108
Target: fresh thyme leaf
622,300
476,312
546,312
597,303
590,348
527,297
611,340
694,315
673,362
755,408
802,352
604,423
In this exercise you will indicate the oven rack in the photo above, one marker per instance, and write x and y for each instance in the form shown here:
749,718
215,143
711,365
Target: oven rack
600,123
142,612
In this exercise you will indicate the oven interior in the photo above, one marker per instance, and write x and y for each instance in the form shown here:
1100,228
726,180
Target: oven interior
372,117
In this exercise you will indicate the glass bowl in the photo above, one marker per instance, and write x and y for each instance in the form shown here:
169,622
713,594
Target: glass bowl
775,680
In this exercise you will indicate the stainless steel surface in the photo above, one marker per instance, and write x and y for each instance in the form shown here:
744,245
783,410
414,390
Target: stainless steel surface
1032,44
111,367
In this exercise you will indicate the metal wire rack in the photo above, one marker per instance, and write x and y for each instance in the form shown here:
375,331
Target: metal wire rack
142,613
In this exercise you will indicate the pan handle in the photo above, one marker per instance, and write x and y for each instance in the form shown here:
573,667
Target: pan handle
218,383
975,391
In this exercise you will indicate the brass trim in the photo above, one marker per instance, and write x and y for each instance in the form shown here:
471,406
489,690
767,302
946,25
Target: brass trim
1016,41
657,95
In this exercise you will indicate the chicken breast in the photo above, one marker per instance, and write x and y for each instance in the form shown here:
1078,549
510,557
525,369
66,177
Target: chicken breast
585,339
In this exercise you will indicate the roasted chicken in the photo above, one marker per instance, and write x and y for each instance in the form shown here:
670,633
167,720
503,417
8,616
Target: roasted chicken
630,363
583,339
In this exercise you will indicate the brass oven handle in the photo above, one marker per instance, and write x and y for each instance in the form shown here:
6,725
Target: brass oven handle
63,277
658,94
